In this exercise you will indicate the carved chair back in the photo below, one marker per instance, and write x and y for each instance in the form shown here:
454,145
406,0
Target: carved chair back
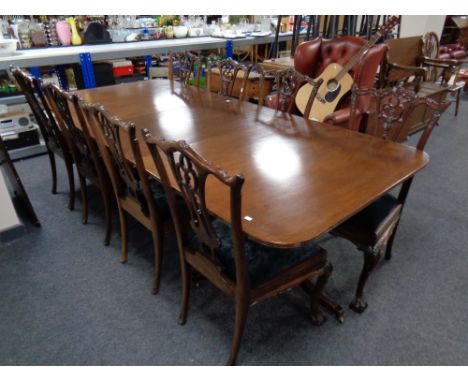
31,87
115,138
60,102
190,172
94,160
185,66
229,72
390,110
287,82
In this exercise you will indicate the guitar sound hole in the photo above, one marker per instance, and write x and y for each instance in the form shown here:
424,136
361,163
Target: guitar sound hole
332,85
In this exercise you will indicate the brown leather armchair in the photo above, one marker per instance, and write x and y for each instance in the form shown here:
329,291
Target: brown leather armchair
312,57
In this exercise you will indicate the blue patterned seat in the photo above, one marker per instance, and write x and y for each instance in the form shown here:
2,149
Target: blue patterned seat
160,200
263,262
364,224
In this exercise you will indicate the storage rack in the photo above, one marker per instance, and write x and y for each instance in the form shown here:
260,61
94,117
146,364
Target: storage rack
86,54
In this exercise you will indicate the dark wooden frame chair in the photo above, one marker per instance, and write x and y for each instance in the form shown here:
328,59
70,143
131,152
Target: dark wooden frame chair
83,148
53,137
406,63
373,229
247,271
230,71
134,193
188,66
287,82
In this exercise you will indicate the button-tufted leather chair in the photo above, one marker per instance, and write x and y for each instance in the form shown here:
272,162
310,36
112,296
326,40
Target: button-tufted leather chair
312,57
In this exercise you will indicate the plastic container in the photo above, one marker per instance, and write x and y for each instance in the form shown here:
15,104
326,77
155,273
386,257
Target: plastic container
8,47
122,68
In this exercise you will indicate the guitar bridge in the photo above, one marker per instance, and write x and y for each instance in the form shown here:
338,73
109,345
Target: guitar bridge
321,99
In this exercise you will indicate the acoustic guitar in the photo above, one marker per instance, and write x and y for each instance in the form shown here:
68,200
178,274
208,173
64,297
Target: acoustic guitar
336,80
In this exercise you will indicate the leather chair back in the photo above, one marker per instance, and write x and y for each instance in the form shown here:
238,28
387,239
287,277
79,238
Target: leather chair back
312,57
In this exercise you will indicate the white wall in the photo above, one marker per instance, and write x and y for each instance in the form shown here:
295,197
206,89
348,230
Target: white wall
419,25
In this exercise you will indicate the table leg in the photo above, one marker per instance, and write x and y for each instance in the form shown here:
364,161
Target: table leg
326,301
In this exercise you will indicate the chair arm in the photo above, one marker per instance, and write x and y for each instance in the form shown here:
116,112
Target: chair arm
461,62
418,71
340,117
439,61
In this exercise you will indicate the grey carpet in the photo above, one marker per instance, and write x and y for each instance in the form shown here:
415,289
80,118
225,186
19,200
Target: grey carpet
66,300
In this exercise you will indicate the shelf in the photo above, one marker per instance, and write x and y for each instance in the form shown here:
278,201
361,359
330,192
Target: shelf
70,54
27,151
13,99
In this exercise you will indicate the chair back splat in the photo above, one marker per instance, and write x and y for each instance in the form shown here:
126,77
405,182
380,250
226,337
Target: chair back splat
229,71
186,66
112,132
60,102
390,112
287,82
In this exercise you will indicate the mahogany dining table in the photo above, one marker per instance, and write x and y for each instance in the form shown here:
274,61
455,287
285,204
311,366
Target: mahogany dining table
302,177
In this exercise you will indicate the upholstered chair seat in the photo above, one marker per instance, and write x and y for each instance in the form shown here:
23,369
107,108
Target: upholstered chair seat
263,262
366,224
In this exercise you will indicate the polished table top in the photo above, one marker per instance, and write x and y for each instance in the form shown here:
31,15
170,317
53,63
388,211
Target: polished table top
302,178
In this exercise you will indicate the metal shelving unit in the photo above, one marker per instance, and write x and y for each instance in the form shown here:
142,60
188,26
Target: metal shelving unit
86,54
70,55
12,100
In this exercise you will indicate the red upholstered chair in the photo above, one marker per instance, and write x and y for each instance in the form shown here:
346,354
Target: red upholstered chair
312,57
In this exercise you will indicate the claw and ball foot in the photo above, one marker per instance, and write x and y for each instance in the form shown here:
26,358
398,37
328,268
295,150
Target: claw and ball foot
318,319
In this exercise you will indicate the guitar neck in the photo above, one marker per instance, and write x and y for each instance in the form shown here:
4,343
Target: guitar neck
357,56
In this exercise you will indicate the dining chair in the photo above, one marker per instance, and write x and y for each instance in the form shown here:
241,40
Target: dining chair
186,66
229,72
135,193
287,82
70,119
51,133
373,229
245,270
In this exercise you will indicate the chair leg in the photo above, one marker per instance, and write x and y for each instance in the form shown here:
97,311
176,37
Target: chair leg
53,169
371,259
158,241
106,199
124,234
242,308
186,271
388,250
315,299
457,102
84,199
71,183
